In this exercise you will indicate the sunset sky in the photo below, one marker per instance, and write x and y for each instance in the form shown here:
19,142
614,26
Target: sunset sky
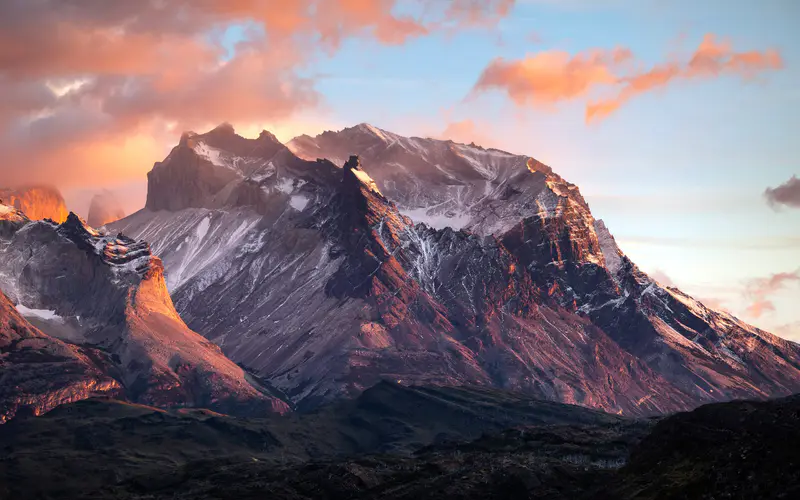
678,119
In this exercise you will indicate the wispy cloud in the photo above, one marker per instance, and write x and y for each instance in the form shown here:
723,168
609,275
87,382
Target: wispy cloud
759,291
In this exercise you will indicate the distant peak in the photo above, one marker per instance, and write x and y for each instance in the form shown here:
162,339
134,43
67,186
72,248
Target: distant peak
267,135
223,128
372,130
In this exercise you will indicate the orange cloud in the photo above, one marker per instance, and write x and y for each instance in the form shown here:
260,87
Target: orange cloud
550,77
711,59
465,131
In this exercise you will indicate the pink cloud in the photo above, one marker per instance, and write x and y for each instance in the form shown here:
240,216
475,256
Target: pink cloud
759,291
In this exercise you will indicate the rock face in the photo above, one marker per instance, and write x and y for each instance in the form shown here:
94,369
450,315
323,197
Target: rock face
38,372
104,209
37,202
323,280
92,288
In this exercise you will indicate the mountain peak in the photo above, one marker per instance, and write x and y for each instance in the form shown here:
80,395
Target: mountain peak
353,166
373,131
223,128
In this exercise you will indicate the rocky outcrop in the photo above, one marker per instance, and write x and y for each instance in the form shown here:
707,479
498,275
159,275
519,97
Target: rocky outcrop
108,291
37,202
104,209
38,372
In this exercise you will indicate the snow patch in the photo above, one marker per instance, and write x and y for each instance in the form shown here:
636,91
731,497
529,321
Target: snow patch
285,185
211,154
298,202
203,227
366,180
547,201
44,314
611,252
437,221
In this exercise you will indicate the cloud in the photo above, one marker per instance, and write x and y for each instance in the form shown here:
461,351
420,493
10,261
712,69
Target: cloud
758,291
714,303
550,77
465,131
787,194
789,331
95,91
662,278
711,59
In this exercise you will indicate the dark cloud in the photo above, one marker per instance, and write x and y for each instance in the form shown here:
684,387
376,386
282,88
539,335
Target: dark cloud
787,194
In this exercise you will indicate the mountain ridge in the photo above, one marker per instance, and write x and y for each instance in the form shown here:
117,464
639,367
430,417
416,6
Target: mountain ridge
322,289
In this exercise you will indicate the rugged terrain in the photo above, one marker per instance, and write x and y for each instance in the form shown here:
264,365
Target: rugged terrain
430,262
397,442
103,298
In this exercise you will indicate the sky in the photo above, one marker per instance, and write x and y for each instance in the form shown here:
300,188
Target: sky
678,119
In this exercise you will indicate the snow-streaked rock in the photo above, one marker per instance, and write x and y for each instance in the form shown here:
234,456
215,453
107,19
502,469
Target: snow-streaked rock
108,292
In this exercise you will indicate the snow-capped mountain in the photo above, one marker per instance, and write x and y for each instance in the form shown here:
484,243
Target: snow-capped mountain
93,290
427,261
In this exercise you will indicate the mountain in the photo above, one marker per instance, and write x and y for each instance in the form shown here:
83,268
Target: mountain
37,202
430,262
103,209
95,290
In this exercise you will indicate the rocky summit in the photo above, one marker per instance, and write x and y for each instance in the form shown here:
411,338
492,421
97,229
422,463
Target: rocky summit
430,262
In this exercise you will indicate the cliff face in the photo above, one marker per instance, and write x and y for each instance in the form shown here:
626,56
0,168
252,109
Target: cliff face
37,202
38,372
